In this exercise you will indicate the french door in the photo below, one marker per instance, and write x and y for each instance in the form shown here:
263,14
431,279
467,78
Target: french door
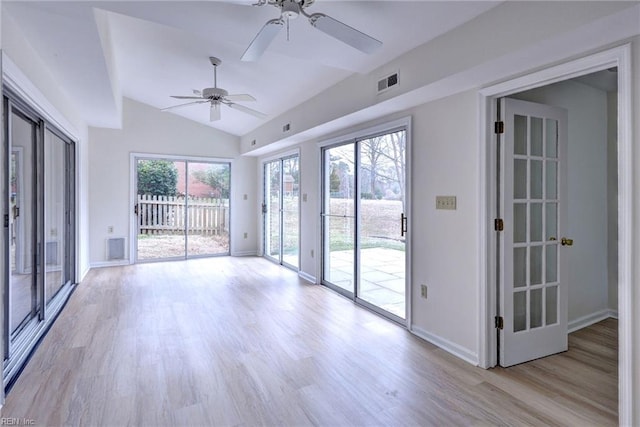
533,276
39,263
364,220
182,208
281,207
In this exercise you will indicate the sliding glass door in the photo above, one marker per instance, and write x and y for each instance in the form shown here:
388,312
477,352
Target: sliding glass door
281,209
182,208
39,188
364,220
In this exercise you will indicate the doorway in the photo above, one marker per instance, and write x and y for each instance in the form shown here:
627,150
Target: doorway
281,210
616,207
364,219
181,208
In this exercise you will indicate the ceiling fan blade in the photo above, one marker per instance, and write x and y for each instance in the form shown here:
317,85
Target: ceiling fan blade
214,112
262,40
344,33
173,107
186,97
240,97
247,110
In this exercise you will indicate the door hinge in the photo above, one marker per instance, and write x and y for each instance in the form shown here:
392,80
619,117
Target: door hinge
499,322
498,224
264,208
6,220
498,127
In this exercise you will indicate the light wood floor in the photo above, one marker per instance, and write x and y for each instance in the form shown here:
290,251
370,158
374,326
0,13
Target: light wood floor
242,342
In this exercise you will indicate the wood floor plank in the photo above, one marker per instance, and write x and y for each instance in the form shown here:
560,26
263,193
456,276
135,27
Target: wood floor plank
243,342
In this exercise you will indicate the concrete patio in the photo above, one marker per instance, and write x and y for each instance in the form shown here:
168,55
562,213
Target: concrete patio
382,272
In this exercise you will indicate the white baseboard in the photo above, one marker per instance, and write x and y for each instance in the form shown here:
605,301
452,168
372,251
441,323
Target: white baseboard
453,348
584,321
306,276
98,264
244,253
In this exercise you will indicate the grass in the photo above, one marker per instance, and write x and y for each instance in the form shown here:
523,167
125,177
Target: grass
379,228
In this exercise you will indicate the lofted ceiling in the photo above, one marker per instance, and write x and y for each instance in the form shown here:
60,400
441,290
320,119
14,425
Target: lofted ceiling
149,50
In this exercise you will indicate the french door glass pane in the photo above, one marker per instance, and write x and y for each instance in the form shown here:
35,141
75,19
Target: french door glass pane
536,179
551,305
536,136
22,292
520,179
290,210
519,267
536,222
55,211
520,135
207,204
519,311
381,241
551,138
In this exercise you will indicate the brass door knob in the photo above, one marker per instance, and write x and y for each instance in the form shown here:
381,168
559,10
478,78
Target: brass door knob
566,242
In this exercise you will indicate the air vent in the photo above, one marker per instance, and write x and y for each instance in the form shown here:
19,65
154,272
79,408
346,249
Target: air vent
115,248
388,82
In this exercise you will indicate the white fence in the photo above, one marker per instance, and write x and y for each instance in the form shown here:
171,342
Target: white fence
174,215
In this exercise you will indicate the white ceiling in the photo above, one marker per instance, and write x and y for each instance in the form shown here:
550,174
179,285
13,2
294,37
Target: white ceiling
150,50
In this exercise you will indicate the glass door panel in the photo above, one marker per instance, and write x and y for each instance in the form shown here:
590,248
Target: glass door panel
290,211
22,224
281,211
207,207
161,209
339,220
55,224
272,211
381,209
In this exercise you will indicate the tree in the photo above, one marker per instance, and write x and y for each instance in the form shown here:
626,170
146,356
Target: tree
157,177
334,181
371,150
216,177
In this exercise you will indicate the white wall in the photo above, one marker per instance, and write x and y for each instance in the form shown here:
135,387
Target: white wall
634,332
150,131
587,202
612,199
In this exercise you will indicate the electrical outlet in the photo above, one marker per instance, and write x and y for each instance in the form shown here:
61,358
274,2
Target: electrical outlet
423,291
312,253
246,235
304,197
245,197
110,229
446,202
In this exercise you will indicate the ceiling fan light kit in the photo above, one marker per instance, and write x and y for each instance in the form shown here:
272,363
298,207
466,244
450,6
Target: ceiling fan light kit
217,96
291,9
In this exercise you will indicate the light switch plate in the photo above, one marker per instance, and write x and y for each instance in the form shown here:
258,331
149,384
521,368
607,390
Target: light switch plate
446,202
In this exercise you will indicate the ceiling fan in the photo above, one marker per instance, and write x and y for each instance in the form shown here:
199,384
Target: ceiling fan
291,9
217,96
